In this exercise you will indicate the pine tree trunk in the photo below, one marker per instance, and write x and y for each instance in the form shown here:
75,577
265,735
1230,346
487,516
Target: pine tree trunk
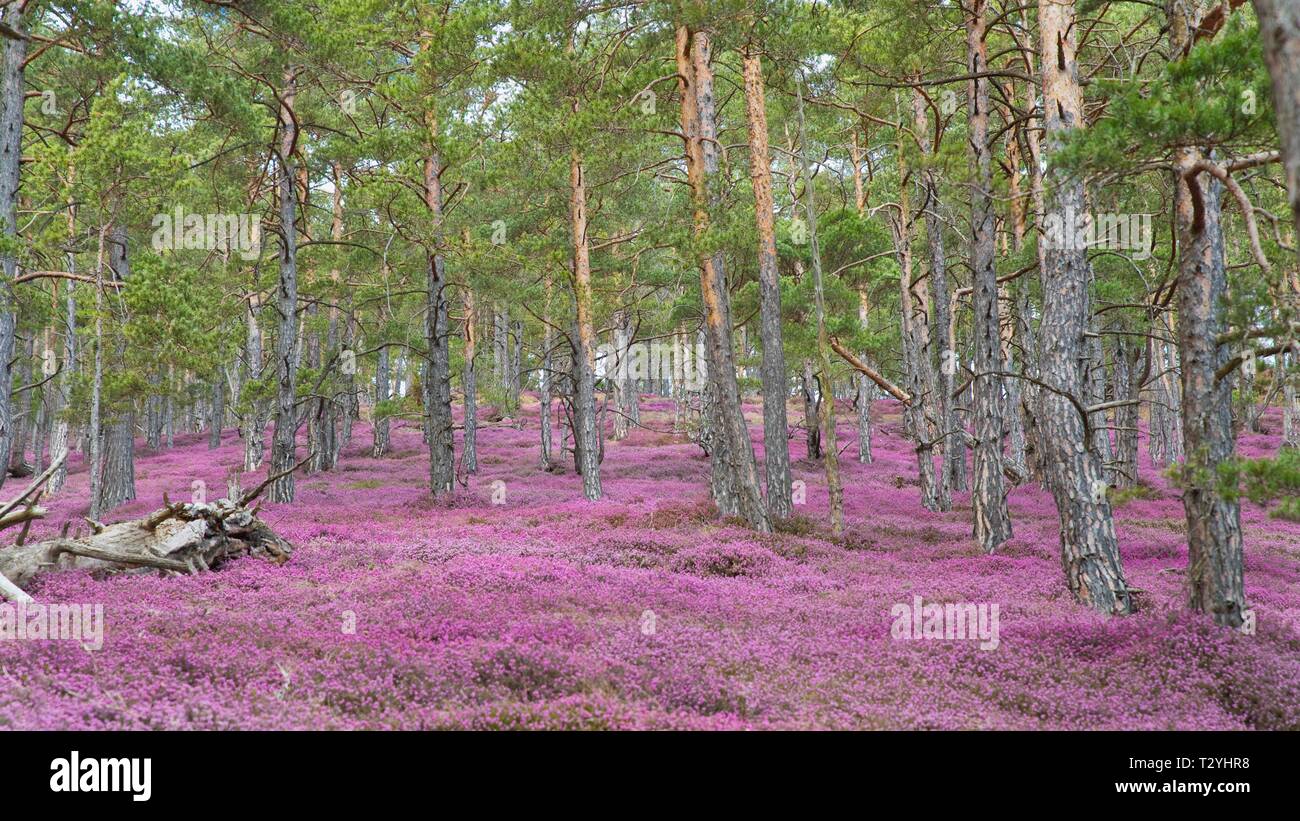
992,521
22,406
914,334
11,149
1290,403
862,402
1130,372
618,373
1096,382
776,450
216,411
381,421
118,484
94,430
586,446
499,347
1089,549
544,384
1215,554
953,444
734,470
254,428
469,448
826,414
284,440
516,367
811,403
437,332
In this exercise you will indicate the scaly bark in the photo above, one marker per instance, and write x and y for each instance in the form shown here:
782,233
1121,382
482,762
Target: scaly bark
1215,574
992,521
284,450
952,441
1076,476
735,473
776,450
437,386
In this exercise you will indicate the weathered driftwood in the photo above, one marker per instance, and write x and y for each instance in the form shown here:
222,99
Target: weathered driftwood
182,537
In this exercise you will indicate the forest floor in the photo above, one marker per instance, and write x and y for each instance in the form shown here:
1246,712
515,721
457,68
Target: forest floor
541,610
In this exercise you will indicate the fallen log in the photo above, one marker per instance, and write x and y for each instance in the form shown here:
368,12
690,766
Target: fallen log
870,372
181,537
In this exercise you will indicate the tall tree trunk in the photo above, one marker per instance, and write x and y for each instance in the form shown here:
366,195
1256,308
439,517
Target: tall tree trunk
618,372
1131,370
284,445
499,343
382,386
544,384
586,446
811,411
735,472
953,443
254,428
469,381
94,433
516,366
437,332
914,336
826,412
992,521
1215,554
776,450
22,406
59,433
216,411
11,149
1076,476
347,408
1096,384
118,484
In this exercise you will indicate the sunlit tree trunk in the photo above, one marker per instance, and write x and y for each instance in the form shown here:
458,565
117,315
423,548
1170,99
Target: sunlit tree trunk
735,472
776,450
586,444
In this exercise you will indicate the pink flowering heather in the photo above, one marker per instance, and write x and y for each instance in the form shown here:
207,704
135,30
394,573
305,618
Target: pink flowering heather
644,610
